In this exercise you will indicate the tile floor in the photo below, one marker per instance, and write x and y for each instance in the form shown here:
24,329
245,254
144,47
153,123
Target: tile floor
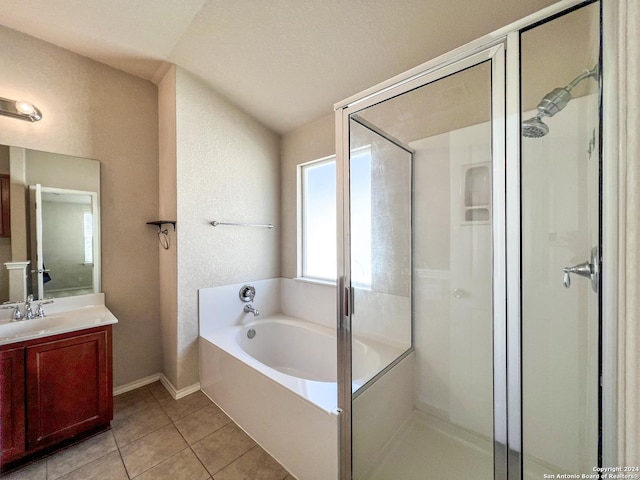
154,437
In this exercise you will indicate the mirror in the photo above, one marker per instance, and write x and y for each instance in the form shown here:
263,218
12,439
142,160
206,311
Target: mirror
51,219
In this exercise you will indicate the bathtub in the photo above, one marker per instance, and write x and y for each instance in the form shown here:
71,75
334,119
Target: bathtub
305,351
276,378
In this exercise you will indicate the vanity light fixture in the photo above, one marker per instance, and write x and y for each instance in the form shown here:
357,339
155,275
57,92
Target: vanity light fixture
19,109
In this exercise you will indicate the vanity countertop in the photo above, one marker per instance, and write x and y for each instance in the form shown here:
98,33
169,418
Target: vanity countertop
63,316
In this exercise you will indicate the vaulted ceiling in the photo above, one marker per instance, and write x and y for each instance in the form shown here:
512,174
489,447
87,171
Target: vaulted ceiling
285,62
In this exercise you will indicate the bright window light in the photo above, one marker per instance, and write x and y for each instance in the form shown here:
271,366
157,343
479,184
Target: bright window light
319,220
360,179
88,237
318,217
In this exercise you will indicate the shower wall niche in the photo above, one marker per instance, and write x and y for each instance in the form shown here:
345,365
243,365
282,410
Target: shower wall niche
476,207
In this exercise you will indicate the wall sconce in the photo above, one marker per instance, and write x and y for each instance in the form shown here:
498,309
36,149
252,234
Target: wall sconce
19,109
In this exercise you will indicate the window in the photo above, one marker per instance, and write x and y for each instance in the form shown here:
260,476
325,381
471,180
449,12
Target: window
360,180
318,216
318,219
88,237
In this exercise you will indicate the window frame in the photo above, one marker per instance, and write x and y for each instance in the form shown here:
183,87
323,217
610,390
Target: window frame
301,225
301,274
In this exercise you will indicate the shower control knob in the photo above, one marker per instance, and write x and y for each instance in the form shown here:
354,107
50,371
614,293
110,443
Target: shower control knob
247,293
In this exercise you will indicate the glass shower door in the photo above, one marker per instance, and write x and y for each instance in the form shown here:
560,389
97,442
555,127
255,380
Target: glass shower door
560,220
421,175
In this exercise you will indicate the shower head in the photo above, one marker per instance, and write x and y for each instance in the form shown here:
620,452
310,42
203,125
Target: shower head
552,103
534,127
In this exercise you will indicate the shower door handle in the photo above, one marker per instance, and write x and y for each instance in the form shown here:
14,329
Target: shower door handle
589,269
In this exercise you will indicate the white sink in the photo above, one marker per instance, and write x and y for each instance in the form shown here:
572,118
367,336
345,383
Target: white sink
78,317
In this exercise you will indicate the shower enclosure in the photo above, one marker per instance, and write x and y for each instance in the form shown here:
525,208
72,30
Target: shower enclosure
471,229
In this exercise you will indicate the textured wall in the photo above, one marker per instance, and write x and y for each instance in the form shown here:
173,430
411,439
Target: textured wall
227,170
168,261
311,142
94,111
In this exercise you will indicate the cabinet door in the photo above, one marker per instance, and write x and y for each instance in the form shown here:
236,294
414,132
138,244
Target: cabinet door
12,441
68,387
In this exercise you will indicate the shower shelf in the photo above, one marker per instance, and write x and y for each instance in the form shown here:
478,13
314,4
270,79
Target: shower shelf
476,194
159,223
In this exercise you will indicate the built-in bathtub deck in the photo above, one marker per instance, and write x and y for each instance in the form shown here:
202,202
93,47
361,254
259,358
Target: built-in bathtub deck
293,417
320,394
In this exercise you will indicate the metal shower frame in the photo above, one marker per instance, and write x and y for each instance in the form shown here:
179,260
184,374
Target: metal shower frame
502,48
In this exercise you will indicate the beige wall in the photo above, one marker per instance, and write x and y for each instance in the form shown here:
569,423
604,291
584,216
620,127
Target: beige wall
168,211
307,143
94,111
62,171
227,170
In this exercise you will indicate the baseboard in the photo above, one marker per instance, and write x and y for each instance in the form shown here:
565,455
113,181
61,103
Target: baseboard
175,393
136,384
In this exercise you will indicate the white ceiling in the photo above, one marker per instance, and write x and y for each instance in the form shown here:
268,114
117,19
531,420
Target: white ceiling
285,62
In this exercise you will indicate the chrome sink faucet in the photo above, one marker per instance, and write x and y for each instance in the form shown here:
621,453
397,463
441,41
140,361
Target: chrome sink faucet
17,313
40,310
28,313
251,309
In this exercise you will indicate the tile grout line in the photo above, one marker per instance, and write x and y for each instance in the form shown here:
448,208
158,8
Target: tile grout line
146,434
149,433
235,459
212,474
126,470
191,448
172,423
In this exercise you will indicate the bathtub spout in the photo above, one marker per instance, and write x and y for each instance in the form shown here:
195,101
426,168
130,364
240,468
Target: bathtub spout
250,309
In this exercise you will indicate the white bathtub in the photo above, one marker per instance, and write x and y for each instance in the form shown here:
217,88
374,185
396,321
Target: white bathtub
289,346
305,350
280,387
299,355
294,419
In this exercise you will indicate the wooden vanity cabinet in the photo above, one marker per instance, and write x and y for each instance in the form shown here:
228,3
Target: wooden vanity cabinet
66,391
12,419
67,387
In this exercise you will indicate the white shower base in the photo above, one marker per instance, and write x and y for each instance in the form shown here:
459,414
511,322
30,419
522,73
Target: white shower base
428,448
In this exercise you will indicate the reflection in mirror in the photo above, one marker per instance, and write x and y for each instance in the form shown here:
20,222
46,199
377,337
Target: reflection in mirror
62,248
61,239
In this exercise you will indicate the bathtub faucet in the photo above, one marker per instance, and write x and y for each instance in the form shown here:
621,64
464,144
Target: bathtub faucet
250,309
